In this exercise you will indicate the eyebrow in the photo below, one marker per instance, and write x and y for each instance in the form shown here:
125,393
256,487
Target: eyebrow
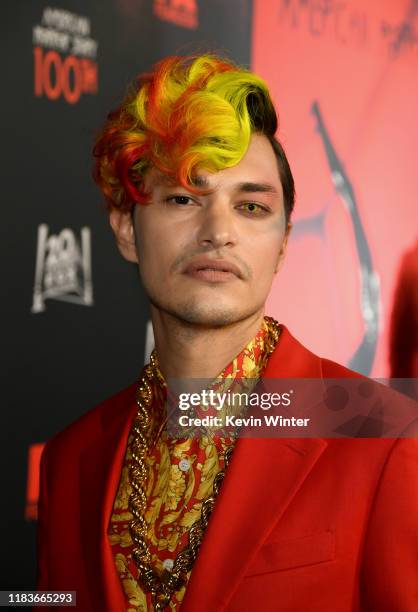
249,187
246,186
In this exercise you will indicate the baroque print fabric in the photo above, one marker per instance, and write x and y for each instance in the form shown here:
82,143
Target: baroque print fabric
181,475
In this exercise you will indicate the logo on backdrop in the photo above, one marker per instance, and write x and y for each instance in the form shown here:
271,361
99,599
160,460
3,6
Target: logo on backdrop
63,268
181,12
64,56
352,24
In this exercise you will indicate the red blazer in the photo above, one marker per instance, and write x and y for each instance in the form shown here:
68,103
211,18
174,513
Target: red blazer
300,525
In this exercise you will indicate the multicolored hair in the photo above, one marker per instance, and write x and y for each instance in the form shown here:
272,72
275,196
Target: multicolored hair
190,113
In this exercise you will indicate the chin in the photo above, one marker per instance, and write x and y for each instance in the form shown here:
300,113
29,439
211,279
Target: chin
216,318
197,312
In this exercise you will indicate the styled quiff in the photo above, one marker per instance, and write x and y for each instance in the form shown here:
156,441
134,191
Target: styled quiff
190,113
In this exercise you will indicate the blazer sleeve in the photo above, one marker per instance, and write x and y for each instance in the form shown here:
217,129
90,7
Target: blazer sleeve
42,530
389,577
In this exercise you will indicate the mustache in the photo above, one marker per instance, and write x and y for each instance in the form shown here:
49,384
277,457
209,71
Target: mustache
185,258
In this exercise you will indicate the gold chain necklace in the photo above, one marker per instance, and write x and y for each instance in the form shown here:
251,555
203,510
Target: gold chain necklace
163,586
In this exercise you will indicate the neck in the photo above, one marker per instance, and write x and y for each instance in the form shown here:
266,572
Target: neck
187,350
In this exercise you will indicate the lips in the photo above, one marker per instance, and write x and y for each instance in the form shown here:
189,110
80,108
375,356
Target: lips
217,265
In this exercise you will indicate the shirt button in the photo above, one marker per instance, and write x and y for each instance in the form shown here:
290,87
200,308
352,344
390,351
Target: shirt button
184,465
168,564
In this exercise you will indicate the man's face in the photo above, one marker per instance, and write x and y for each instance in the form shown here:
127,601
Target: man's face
210,259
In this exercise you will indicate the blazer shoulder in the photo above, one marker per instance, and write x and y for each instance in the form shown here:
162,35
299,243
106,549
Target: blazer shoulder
90,424
332,369
292,359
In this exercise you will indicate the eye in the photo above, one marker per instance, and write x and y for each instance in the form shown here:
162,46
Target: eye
179,199
253,209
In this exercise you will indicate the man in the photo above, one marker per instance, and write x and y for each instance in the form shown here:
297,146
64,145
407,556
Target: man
200,196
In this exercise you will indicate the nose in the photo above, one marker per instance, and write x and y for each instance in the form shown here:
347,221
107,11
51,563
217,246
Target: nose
217,228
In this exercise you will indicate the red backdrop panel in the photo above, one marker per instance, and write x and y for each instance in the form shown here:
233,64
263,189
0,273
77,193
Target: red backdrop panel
356,64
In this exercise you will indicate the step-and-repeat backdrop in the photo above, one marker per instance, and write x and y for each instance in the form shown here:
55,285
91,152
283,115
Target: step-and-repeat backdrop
76,326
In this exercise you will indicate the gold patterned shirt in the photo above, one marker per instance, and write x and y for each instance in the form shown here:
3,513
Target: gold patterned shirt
180,476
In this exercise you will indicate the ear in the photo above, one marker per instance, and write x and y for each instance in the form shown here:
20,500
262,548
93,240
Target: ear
283,249
122,226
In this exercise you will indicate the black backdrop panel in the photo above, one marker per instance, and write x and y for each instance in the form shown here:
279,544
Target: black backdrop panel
67,356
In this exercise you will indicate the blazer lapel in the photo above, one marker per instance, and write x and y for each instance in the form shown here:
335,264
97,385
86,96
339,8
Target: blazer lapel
249,505
100,469
263,477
